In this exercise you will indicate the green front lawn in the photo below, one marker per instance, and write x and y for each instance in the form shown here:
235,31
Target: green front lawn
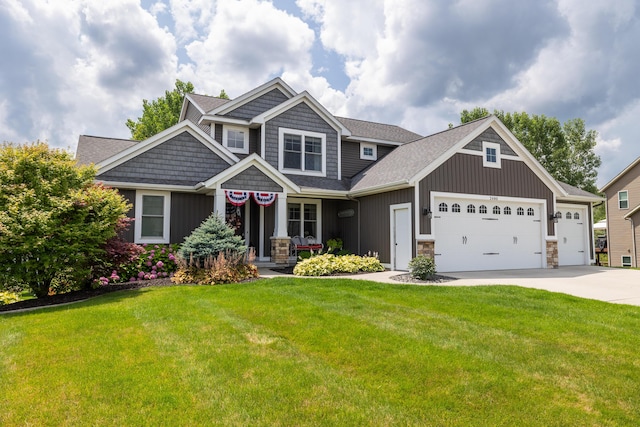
293,351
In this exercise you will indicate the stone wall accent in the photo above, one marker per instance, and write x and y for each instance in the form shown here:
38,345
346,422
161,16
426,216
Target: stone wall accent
552,254
426,248
280,249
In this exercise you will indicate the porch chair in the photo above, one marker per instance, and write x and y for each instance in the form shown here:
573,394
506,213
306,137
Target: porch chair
299,243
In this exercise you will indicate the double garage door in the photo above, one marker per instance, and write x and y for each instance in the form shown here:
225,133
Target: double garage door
474,235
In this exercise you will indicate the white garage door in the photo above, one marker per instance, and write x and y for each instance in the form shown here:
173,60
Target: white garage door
472,235
571,230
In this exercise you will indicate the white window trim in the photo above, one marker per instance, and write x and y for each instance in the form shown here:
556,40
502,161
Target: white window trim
627,200
166,234
485,163
225,139
624,264
374,147
304,134
303,202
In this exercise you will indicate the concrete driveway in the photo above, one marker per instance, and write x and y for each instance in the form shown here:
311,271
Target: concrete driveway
615,285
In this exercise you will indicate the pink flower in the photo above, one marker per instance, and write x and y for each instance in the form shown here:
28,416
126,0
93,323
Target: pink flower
141,274
171,257
154,268
159,264
153,276
149,263
133,279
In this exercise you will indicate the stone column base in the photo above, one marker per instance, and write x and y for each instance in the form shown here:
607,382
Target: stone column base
280,249
552,254
426,248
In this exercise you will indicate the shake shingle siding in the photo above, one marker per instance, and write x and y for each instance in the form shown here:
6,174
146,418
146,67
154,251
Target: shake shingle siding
302,117
258,106
180,161
490,135
194,115
252,179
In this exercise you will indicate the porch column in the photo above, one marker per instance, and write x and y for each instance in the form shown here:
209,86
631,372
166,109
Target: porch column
219,203
280,240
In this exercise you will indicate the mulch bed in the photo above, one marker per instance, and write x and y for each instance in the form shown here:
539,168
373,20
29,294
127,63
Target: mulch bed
436,278
83,294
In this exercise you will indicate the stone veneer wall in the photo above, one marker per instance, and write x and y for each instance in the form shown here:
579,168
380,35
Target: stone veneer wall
426,248
552,254
280,249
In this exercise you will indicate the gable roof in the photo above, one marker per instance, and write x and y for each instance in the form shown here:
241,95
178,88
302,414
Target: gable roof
377,132
205,103
406,161
276,83
575,193
94,149
621,174
411,162
183,126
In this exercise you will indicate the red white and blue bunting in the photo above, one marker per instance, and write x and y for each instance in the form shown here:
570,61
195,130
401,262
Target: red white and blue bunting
239,198
264,199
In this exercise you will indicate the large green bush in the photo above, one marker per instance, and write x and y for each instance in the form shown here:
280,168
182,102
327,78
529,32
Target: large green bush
422,267
327,264
211,238
54,221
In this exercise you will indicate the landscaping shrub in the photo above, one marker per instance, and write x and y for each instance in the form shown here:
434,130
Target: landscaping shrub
7,297
54,221
422,267
327,264
227,267
143,262
210,239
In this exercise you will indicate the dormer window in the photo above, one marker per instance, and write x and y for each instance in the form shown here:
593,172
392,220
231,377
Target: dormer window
302,152
368,151
491,155
236,139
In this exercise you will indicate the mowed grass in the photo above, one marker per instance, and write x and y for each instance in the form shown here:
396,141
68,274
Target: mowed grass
292,351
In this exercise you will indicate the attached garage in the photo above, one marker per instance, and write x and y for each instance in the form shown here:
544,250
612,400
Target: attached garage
572,230
474,234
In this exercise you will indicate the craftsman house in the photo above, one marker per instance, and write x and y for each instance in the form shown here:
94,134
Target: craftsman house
623,216
277,164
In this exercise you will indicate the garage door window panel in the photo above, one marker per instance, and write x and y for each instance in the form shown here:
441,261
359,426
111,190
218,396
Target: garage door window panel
471,209
482,209
507,210
443,207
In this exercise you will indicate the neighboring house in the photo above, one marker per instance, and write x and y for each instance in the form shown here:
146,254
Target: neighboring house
623,216
277,164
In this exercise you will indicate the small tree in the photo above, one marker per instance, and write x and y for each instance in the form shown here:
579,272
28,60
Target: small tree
211,238
54,221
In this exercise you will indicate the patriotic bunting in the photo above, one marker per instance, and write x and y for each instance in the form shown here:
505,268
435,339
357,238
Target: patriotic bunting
239,198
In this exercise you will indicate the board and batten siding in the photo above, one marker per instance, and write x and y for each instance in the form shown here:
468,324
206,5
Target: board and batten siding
619,232
187,213
464,173
302,117
490,135
344,228
351,161
128,235
375,222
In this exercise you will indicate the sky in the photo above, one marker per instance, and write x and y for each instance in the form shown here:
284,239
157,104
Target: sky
72,67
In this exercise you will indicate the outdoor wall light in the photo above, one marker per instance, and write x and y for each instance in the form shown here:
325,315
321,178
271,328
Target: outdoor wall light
427,212
555,216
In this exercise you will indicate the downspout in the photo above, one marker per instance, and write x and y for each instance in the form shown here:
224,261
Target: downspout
633,242
358,203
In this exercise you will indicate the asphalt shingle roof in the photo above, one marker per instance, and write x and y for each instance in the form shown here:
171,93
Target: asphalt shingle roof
574,191
206,102
94,149
381,131
409,159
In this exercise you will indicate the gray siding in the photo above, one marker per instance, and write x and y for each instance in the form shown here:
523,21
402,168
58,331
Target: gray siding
269,228
187,213
302,117
490,135
351,161
252,179
464,173
258,105
375,222
130,195
218,133
194,115
182,160
254,141
344,228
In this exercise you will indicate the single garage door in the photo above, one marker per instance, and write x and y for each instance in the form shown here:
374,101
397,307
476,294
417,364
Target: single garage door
571,230
472,235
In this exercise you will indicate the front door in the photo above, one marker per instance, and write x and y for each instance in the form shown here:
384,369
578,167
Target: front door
401,237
